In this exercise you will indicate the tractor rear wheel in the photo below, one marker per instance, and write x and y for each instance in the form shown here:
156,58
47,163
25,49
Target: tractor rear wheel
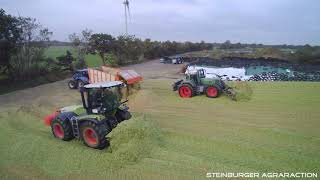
62,129
185,91
94,135
212,92
72,84
80,84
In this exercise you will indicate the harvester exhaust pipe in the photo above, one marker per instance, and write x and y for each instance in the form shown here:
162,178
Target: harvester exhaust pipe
82,90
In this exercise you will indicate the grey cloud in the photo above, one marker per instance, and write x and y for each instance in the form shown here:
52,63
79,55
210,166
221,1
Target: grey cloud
252,21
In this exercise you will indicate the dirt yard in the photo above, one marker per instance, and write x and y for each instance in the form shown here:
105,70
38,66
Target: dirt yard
57,94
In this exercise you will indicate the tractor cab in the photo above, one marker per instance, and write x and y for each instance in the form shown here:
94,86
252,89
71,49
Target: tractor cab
79,79
201,73
195,75
102,98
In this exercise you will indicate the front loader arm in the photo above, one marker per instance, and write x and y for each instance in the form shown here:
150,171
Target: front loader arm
176,84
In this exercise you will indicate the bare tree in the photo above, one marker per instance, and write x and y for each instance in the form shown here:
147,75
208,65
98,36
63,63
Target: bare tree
30,48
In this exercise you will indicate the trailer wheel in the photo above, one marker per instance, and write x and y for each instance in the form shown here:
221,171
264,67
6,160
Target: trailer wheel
94,135
212,92
185,91
72,84
61,129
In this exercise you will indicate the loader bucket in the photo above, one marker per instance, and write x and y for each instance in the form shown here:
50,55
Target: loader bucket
231,93
130,76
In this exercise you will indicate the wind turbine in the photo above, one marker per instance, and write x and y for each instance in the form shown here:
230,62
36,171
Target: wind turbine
126,13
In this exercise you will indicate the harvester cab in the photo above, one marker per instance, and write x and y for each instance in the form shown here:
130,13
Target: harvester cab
102,98
196,83
100,112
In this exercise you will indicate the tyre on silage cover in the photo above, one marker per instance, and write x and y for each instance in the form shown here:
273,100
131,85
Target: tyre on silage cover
62,129
94,135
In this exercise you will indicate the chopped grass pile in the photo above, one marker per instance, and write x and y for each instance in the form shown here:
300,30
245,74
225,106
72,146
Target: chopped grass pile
133,88
243,90
276,131
134,139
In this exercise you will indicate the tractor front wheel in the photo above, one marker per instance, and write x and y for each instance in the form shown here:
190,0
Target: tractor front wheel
212,92
94,135
61,129
185,91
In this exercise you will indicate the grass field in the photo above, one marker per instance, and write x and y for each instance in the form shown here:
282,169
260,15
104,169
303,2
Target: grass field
172,138
56,51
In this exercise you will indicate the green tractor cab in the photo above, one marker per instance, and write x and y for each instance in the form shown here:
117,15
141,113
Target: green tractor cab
100,112
196,83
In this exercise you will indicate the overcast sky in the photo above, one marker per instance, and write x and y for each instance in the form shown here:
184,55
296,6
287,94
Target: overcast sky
247,21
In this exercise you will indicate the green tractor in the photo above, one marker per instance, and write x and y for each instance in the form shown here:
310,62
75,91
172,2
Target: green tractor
100,112
196,83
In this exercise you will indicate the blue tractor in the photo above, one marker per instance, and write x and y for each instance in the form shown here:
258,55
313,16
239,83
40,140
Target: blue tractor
79,79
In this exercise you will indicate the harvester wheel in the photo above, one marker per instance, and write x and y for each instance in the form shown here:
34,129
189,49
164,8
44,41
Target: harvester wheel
212,92
80,84
94,135
61,129
185,91
72,84
123,115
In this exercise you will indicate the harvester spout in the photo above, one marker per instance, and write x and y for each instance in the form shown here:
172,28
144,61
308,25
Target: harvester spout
85,106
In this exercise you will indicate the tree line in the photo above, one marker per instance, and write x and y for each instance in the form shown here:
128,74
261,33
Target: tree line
122,50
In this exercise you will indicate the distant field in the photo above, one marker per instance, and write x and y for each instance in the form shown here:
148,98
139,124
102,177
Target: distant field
169,137
244,53
56,51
